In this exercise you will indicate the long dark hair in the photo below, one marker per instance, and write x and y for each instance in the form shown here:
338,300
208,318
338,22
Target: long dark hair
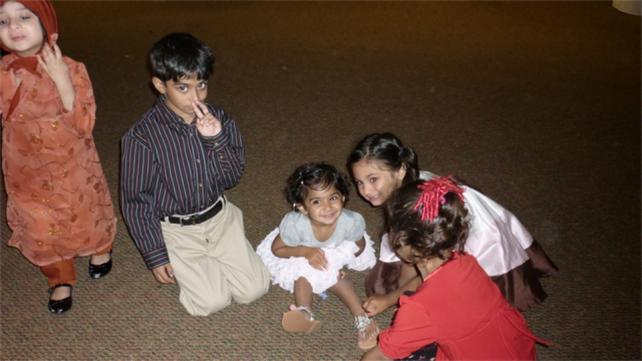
388,149
446,232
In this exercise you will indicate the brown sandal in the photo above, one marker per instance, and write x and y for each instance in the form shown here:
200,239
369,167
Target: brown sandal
299,319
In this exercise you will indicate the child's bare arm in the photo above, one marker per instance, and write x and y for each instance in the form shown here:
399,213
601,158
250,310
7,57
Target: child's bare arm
379,303
315,256
362,245
54,65
374,354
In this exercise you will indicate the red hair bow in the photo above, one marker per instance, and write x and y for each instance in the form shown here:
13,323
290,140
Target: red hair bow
432,196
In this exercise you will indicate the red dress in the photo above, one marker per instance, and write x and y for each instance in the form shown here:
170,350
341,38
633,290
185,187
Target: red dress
58,202
462,310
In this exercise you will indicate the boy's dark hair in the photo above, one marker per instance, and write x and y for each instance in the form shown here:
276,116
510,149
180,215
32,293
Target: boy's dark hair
178,55
388,149
317,176
447,232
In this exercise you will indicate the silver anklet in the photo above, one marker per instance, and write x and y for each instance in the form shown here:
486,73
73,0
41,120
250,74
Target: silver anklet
361,322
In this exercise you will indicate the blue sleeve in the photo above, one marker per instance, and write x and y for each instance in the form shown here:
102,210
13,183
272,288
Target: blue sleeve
356,226
289,229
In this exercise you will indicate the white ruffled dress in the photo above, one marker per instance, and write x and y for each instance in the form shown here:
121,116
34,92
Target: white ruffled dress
295,230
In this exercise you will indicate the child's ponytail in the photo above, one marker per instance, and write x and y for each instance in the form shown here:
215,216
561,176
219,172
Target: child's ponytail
409,159
430,232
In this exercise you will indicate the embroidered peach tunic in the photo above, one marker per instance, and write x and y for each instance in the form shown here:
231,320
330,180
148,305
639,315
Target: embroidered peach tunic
58,205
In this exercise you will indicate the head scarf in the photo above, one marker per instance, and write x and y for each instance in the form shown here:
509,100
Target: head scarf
45,12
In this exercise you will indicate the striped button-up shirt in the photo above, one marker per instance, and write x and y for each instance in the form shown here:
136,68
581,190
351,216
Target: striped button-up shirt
169,168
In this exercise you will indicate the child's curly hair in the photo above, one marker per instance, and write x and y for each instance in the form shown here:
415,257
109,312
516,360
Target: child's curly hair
446,232
317,176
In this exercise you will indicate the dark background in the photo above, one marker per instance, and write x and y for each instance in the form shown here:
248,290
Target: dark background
535,103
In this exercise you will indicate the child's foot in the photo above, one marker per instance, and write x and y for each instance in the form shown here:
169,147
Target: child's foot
299,319
367,332
99,265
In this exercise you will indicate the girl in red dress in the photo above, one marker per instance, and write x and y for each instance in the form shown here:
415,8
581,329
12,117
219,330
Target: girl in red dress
457,307
58,202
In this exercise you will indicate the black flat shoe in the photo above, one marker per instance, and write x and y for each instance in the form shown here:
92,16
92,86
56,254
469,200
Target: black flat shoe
100,270
59,307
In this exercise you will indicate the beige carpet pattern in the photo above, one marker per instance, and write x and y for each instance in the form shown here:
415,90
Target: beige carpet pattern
535,103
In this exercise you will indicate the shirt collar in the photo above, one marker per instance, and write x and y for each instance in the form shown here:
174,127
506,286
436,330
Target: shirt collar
169,116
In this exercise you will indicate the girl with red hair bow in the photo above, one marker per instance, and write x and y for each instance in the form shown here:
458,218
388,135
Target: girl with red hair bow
58,201
456,307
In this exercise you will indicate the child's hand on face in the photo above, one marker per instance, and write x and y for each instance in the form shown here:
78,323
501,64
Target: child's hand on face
316,258
52,62
206,123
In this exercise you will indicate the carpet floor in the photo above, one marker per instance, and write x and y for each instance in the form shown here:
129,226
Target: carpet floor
535,103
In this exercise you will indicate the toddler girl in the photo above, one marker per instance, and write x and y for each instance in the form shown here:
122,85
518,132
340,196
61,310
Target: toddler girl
308,250
505,249
58,203
456,306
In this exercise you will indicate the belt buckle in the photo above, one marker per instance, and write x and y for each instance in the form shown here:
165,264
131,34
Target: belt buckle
188,222
194,219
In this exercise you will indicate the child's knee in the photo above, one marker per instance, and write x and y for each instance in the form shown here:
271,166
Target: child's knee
205,308
253,293
302,282
205,303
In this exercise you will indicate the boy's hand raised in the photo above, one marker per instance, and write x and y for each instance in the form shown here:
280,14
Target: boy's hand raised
206,123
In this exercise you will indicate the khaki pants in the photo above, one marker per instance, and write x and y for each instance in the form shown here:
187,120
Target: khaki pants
214,263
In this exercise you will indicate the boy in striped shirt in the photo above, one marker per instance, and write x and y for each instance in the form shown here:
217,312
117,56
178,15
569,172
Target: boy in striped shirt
176,163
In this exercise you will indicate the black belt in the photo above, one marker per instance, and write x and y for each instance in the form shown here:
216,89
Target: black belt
197,218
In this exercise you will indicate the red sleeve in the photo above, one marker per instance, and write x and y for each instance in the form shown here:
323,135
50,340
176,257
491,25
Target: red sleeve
411,329
83,114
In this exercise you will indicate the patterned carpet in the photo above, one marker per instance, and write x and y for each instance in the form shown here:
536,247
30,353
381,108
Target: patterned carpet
537,104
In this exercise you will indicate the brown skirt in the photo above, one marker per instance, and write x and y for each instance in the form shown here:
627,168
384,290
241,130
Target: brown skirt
521,286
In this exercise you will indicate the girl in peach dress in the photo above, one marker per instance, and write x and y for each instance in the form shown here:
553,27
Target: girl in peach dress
58,201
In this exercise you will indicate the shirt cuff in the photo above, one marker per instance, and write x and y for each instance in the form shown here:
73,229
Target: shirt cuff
156,258
215,142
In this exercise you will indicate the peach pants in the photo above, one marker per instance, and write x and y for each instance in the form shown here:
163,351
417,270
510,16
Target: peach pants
61,272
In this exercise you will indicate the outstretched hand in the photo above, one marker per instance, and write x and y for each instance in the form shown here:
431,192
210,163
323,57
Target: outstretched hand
206,123
374,305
